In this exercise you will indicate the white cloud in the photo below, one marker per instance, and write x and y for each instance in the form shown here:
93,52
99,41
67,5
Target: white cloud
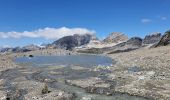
145,20
47,33
163,18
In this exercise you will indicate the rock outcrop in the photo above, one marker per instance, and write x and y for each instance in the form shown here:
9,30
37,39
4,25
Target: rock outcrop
151,39
115,37
165,39
69,42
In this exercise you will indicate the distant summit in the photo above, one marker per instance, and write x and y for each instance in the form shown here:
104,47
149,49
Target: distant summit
115,37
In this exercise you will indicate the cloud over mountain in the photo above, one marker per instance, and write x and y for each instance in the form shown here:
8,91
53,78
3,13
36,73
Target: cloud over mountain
47,33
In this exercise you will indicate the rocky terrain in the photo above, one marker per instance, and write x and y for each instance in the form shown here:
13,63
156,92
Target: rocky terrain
152,74
16,84
142,72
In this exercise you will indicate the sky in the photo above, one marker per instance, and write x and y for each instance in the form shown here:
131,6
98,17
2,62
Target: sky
24,22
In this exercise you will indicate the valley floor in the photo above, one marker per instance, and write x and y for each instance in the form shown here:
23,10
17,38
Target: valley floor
143,72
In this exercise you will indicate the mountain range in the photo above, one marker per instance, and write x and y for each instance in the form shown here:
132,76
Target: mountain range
114,42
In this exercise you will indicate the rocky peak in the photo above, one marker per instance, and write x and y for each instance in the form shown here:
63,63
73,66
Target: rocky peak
69,42
152,38
115,37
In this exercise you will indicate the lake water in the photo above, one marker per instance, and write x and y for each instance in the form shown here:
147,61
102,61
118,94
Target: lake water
88,61
67,60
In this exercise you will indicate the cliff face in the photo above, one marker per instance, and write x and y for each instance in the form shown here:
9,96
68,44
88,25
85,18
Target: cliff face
115,37
153,38
69,42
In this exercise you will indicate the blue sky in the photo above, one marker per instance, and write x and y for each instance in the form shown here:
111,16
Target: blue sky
30,17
